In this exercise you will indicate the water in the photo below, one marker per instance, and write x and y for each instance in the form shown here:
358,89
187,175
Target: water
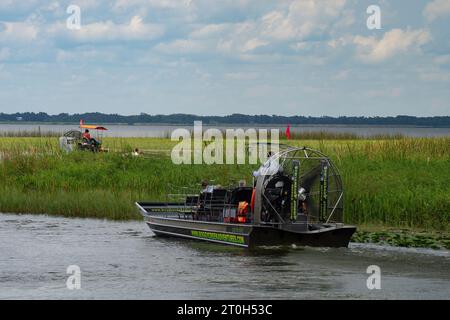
123,260
165,130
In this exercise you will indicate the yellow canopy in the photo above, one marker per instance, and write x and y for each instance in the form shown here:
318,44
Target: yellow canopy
86,126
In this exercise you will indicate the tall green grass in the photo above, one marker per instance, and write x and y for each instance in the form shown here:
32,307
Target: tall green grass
393,182
330,135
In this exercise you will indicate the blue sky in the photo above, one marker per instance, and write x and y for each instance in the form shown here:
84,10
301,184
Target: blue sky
210,57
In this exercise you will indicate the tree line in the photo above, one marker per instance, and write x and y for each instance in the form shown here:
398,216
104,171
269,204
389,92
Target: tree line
143,118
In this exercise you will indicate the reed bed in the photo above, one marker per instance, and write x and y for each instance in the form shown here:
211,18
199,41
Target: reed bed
314,135
329,135
392,182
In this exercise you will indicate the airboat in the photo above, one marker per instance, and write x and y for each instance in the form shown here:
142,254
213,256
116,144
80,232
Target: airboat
296,199
73,139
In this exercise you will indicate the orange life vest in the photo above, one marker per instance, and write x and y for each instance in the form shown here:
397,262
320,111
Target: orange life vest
242,212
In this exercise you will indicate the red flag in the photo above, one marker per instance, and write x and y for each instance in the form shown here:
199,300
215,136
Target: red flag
288,132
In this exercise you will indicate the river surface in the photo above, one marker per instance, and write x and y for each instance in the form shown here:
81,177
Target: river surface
165,130
123,260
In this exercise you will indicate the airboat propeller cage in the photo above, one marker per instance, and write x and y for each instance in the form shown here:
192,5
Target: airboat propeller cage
314,180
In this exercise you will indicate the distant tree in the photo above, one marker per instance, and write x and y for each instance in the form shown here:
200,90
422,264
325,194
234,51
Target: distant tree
235,119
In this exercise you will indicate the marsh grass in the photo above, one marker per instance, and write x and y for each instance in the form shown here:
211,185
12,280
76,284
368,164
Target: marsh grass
394,182
329,135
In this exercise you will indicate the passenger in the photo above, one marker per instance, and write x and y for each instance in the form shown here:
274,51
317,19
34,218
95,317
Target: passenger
270,167
136,153
88,137
242,184
206,188
302,201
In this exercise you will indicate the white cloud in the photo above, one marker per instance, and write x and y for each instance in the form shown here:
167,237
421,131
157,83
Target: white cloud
299,46
224,46
17,5
340,42
303,18
182,46
289,21
84,4
252,44
276,25
53,6
125,4
208,31
347,19
17,32
136,29
85,55
394,42
437,9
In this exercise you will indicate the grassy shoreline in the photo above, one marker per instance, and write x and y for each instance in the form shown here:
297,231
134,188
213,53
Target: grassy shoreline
396,184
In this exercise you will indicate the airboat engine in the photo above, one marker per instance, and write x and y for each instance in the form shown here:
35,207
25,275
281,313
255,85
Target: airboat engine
305,189
68,142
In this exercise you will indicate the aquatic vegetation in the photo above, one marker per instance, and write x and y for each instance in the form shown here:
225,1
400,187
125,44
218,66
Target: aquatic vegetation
404,238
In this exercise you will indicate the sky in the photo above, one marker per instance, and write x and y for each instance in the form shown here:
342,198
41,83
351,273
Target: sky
218,57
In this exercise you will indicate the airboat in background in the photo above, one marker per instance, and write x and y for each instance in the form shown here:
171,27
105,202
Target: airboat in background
297,198
74,140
